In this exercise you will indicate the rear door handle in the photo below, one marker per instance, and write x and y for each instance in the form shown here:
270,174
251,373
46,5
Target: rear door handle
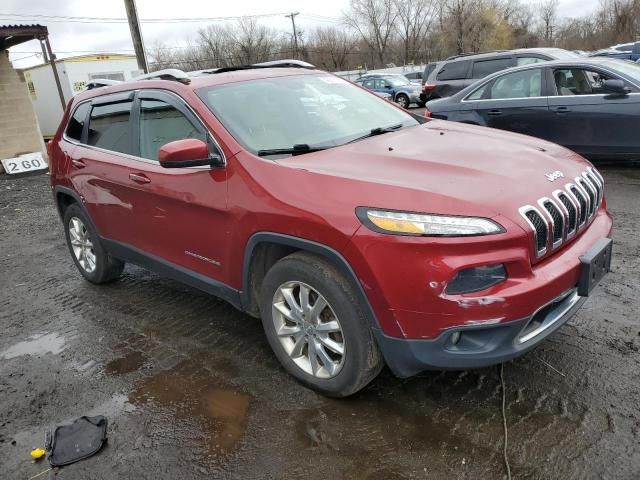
139,178
78,163
494,113
561,110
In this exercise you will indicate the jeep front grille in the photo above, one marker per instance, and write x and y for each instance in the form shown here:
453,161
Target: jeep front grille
557,224
571,210
539,226
556,220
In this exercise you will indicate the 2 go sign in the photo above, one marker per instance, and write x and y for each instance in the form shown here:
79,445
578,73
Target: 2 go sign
24,163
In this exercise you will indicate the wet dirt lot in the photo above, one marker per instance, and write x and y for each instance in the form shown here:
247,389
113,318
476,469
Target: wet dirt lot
192,391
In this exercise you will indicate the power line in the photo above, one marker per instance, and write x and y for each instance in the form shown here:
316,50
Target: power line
72,19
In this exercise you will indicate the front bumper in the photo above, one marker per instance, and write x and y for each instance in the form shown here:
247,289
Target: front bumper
477,346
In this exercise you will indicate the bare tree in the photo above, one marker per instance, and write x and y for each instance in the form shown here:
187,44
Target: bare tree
548,16
330,48
414,20
374,22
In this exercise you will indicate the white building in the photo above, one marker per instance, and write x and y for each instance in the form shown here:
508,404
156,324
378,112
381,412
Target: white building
75,73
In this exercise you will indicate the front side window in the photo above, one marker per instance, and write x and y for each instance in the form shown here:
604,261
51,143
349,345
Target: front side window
76,122
318,110
482,68
161,123
518,85
578,81
109,127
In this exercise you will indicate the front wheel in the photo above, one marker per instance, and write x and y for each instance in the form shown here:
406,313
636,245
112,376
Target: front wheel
317,327
402,100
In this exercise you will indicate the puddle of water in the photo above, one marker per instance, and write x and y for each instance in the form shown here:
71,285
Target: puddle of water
130,362
195,394
36,345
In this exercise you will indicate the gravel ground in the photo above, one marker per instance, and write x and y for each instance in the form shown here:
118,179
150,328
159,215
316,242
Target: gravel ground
192,390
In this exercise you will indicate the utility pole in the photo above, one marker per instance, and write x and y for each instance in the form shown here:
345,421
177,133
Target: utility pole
292,16
136,35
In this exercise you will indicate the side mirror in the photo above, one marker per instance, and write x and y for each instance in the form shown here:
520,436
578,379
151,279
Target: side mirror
615,86
189,152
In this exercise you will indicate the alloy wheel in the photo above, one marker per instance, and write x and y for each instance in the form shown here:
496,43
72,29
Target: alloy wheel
82,245
308,329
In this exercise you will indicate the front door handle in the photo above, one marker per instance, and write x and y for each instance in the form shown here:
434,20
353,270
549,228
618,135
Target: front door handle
78,163
561,110
139,178
494,113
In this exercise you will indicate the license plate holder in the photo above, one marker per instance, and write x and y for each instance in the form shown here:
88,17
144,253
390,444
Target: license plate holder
595,264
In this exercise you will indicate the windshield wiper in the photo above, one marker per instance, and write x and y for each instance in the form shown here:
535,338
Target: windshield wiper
377,131
297,149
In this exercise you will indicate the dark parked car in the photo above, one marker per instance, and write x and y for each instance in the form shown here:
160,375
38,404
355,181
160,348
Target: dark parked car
590,105
443,79
414,77
624,51
403,91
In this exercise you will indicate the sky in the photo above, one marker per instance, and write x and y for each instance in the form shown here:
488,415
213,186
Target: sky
74,38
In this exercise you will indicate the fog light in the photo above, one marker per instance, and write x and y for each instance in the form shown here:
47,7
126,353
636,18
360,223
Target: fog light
455,338
476,279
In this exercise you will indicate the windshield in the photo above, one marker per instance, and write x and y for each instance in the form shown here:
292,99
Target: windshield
629,69
314,110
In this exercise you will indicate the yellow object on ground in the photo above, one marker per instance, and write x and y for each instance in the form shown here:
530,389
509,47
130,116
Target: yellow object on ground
37,454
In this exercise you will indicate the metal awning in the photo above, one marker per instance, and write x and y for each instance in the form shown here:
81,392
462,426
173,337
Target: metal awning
12,35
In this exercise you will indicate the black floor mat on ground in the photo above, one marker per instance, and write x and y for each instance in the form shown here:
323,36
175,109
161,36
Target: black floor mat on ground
71,443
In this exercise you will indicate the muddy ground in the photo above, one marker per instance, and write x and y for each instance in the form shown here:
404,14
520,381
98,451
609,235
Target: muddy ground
192,391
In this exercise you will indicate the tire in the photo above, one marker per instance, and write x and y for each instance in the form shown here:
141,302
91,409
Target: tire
86,250
360,361
402,100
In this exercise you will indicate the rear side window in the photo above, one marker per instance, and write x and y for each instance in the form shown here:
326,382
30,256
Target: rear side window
454,70
161,123
109,127
76,122
518,85
428,69
482,68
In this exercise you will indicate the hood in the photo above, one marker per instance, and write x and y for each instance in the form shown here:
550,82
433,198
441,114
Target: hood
444,167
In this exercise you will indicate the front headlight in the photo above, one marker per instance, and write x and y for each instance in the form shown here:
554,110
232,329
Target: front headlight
406,223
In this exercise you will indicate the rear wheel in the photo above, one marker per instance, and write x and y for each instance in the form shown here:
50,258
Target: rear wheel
402,100
84,245
316,326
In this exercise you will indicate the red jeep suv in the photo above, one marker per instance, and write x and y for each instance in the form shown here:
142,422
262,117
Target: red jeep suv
360,234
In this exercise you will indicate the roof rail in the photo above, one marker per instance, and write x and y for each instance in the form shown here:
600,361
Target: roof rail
101,82
167,74
271,64
285,63
468,54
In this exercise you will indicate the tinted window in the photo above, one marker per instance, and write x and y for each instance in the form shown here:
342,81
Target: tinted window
482,68
76,123
109,127
528,60
577,81
518,85
161,123
428,69
454,70
368,84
